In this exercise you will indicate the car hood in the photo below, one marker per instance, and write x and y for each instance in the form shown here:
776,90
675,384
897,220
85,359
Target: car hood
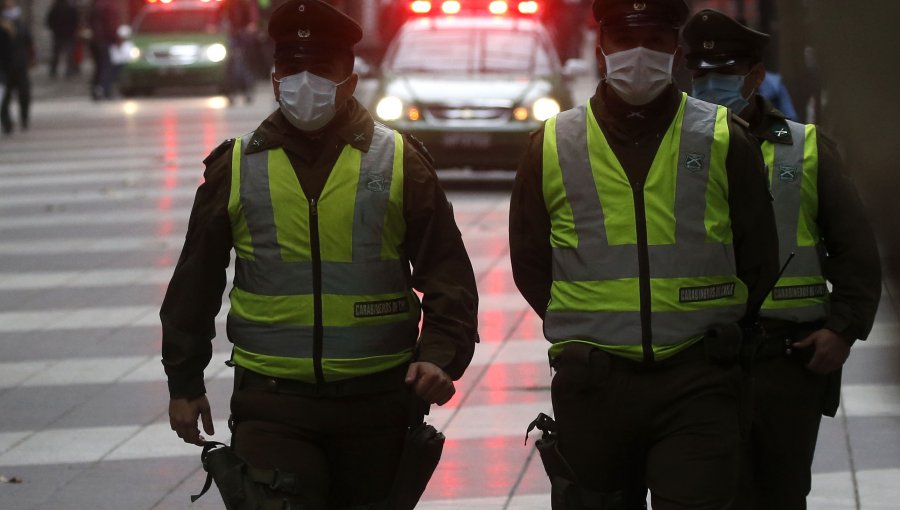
497,90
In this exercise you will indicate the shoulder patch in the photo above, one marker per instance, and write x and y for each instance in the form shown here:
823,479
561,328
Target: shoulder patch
419,147
219,151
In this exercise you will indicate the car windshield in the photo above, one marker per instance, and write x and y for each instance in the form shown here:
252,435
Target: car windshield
180,20
470,51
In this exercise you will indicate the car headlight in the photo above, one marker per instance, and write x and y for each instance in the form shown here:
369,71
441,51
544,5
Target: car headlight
389,108
544,108
134,54
216,52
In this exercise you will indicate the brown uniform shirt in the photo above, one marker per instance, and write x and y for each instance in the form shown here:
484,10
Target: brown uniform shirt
441,271
852,262
634,134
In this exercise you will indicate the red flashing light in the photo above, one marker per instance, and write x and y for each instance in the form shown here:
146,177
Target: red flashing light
498,7
529,7
451,7
420,7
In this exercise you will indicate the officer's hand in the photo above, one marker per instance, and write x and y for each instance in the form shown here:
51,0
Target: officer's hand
430,382
183,415
831,351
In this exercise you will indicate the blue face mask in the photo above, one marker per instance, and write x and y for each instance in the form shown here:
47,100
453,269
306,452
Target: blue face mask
723,89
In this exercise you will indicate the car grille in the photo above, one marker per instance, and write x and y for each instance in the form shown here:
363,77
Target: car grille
474,113
184,54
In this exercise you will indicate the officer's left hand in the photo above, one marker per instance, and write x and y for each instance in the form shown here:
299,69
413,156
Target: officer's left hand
831,351
430,382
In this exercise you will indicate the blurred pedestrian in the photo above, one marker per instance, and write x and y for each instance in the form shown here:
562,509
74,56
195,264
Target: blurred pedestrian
240,18
103,23
774,89
16,57
62,20
808,325
642,233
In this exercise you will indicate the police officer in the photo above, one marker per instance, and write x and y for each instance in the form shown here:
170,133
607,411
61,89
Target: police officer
627,237
325,211
808,329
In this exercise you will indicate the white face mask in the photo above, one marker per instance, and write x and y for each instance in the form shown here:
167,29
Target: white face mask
307,100
639,75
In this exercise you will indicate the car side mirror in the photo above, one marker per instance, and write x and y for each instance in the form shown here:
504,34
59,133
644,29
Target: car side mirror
575,67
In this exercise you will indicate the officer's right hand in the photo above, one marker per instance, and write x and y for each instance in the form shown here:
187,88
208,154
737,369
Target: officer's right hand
183,415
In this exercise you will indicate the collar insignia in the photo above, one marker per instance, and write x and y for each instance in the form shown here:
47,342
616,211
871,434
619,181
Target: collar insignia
781,132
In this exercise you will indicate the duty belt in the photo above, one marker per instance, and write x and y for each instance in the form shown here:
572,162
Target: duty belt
388,380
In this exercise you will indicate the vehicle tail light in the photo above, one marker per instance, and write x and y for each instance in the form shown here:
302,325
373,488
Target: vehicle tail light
498,7
420,6
529,7
451,7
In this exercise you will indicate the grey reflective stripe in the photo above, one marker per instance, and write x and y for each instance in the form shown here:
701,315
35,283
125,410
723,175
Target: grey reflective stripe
372,195
624,328
666,261
594,258
261,216
277,278
697,130
788,195
353,342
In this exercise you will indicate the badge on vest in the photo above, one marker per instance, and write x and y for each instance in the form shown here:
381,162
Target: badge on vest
787,173
707,293
694,162
375,184
379,308
799,292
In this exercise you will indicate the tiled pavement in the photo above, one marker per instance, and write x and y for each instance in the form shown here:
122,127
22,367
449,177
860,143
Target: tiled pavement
93,204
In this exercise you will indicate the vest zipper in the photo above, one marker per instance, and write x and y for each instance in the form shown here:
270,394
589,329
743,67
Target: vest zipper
318,331
643,270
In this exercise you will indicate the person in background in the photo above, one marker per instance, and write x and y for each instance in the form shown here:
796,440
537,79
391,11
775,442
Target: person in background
773,89
62,20
17,55
240,18
103,23
808,329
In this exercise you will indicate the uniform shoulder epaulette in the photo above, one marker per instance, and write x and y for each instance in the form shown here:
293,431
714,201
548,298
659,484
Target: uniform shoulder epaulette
419,147
219,151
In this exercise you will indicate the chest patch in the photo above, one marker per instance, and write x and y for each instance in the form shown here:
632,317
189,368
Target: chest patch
707,293
380,308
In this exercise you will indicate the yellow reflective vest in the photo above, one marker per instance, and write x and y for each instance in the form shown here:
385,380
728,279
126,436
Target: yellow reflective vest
321,288
801,294
641,271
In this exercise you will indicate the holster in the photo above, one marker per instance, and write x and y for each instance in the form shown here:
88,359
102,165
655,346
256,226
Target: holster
421,453
223,466
244,487
565,492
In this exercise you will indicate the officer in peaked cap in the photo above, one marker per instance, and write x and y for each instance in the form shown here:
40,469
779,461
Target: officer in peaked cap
645,391
808,329
323,393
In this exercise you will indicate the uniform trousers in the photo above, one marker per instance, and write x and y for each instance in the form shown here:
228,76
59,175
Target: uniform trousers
344,449
787,403
675,426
